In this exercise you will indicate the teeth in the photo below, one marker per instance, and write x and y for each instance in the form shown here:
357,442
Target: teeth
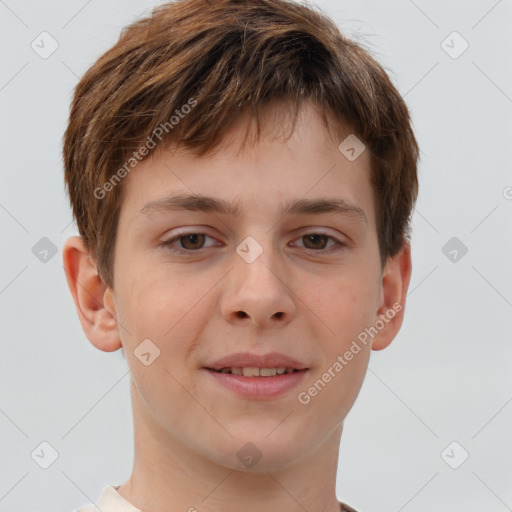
257,372
251,372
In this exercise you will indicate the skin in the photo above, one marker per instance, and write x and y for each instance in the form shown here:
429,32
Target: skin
188,429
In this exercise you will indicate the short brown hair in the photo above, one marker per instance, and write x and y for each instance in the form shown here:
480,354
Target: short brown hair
228,56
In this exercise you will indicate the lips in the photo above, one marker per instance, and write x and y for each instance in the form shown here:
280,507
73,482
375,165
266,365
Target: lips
257,372
251,362
257,377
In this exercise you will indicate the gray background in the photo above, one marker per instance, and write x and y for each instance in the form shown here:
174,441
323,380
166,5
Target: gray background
445,378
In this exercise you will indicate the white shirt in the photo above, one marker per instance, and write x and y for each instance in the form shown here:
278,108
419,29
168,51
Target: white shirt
111,501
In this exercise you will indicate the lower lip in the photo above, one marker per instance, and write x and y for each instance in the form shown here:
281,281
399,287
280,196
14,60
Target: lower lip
259,387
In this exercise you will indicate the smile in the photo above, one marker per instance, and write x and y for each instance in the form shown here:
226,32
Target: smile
256,372
257,383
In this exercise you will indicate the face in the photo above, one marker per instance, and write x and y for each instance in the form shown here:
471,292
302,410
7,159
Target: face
202,284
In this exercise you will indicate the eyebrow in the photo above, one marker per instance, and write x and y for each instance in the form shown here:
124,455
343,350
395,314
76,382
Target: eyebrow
214,205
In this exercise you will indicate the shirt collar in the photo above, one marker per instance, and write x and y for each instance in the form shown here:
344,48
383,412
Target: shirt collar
111,501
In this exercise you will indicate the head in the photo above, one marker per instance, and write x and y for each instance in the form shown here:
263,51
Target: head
306,148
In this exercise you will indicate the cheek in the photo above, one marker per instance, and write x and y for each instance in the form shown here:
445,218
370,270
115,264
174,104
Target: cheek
165,312
170,311
346,302
349,309
157,300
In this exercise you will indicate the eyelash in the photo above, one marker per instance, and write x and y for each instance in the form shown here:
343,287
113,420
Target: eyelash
168,243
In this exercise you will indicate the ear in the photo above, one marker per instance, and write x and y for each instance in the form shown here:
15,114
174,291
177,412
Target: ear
395,283
94,301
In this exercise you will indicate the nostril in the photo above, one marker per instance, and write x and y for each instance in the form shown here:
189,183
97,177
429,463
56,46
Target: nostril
279,314
241,314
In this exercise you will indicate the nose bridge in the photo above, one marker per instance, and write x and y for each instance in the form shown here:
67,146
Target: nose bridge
255,265
258,291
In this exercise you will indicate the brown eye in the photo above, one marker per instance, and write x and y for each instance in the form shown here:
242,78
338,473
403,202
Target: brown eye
317,241
187,243
321,243
192,240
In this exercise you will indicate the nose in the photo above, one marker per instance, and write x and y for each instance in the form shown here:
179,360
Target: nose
258,293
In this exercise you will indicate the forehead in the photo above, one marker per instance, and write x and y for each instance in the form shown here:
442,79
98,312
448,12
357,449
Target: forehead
280,164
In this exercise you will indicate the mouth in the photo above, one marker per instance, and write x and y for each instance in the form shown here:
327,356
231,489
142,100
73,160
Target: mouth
256,372
256,376
257,383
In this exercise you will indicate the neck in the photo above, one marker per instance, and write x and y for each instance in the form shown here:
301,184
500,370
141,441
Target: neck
169,476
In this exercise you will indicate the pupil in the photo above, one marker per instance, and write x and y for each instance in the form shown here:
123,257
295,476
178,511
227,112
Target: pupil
193,238
316,237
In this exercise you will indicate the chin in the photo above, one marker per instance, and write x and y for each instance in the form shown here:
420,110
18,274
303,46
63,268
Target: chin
258,454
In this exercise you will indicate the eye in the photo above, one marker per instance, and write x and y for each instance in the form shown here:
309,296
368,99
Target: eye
193,242
318,241
190,242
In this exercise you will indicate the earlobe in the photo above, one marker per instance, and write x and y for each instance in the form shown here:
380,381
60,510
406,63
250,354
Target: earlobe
93,300
395,283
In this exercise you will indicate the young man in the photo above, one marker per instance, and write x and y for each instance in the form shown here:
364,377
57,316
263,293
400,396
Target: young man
242,176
